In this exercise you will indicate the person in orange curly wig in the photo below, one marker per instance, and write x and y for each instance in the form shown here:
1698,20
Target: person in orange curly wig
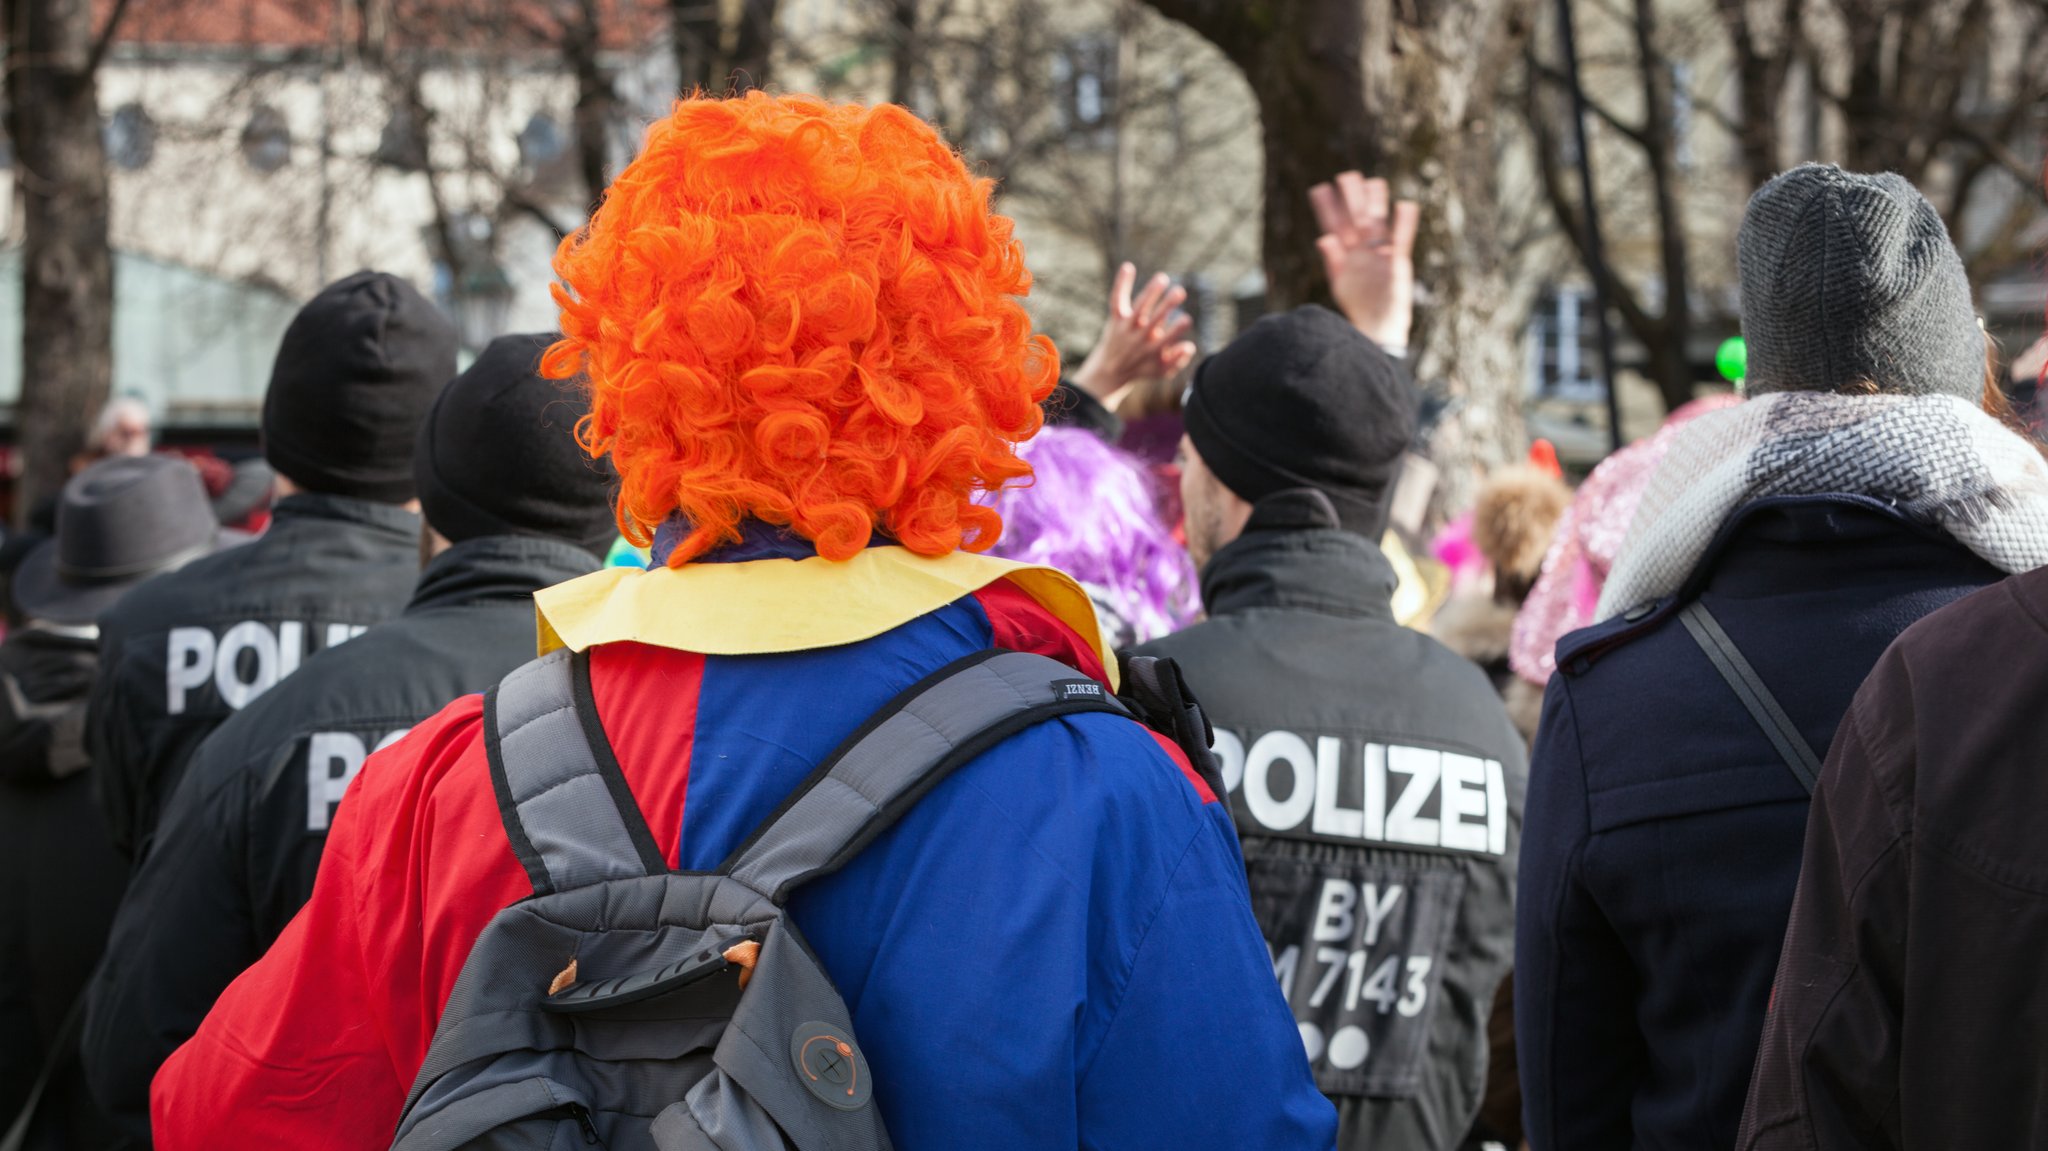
800,327
805,314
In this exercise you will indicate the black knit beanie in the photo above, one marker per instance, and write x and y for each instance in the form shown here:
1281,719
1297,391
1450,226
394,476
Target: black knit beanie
1305,400
498,455
359,366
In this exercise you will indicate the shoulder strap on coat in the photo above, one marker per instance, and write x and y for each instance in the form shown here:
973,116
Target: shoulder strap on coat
935,726
565,804
1756,698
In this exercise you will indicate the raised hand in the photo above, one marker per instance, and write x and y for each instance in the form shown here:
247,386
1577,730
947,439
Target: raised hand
1369,255
1142,339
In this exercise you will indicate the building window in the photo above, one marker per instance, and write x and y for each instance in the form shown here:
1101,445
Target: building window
130,137
1084,88
267,140
542,141
1564,347
402,146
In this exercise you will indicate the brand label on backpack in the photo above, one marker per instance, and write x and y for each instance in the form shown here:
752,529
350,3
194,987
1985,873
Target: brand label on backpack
831,1066
1358,951
1070,690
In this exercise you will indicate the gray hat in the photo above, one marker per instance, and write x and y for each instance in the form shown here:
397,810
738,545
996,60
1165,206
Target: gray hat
1851,280
119,522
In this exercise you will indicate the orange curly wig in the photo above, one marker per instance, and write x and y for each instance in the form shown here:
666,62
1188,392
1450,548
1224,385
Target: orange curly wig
803,313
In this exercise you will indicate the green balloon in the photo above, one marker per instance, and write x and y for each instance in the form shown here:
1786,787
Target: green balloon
1732,359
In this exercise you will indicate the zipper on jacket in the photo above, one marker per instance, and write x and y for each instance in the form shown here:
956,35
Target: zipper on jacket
580,1114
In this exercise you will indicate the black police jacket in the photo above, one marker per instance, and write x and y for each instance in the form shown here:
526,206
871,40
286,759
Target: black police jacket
186,650
236,853
1377,786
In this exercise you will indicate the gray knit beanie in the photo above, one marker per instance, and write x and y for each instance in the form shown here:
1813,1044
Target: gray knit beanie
1850,279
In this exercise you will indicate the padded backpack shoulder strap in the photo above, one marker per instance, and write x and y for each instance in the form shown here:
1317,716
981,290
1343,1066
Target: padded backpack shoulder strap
564,802
919,738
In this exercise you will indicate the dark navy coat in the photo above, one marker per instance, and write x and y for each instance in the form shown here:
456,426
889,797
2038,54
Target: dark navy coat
1661,841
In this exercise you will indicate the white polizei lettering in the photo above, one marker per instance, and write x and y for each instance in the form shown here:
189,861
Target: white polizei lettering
1375,791
1332,818
332,760
341,633
1464,793
1422,767
1277,814
227,659
1377,907
188,664
291,646
1496,809
1229,758
1334,918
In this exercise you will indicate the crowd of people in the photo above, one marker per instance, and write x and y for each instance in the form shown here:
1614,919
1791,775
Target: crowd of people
968,754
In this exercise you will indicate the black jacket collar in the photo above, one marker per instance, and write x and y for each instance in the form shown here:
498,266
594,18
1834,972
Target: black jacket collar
497,568
304,506
1293,555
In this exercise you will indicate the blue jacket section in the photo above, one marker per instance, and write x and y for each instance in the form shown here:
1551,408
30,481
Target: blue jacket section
1661,842
1065,913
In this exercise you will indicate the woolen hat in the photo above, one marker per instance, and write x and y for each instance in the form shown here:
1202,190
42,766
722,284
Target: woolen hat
498,455
119,522
1849,281
1304,400
359,366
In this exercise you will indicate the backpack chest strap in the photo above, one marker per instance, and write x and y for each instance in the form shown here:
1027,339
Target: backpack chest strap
564,802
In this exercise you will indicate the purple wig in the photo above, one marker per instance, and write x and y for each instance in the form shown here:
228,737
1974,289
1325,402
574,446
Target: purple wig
1090,510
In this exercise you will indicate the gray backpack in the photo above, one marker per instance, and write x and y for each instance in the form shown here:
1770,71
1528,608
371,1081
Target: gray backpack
628,1006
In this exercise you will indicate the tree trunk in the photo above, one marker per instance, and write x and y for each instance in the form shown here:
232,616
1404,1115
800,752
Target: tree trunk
694,35
1670,369
716,58
67,266
1401,90
904,51
596,98
753,45
1761,74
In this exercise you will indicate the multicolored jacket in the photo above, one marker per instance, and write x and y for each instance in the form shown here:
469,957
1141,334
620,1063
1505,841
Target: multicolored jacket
1055,948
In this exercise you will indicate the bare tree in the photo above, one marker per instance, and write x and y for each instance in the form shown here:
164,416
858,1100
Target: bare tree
53,117
1408,90
1665,333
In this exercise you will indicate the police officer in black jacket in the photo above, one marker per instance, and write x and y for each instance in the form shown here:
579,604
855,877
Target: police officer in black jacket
512,505
356,371
1374,776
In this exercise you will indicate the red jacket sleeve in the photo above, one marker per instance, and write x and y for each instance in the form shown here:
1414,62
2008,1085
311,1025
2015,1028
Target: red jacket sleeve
317,1044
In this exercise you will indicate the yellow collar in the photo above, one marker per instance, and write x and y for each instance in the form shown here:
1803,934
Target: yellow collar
780,605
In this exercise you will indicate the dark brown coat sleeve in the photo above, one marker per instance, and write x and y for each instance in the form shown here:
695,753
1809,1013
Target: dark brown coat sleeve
1827,1072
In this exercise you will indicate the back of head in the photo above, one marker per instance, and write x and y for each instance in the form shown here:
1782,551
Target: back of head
498,455
1850,284
1092,512
1304,400
119,522
358,368
1512,523
806,314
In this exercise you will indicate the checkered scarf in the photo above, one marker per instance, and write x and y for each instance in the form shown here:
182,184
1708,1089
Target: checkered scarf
1937,459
